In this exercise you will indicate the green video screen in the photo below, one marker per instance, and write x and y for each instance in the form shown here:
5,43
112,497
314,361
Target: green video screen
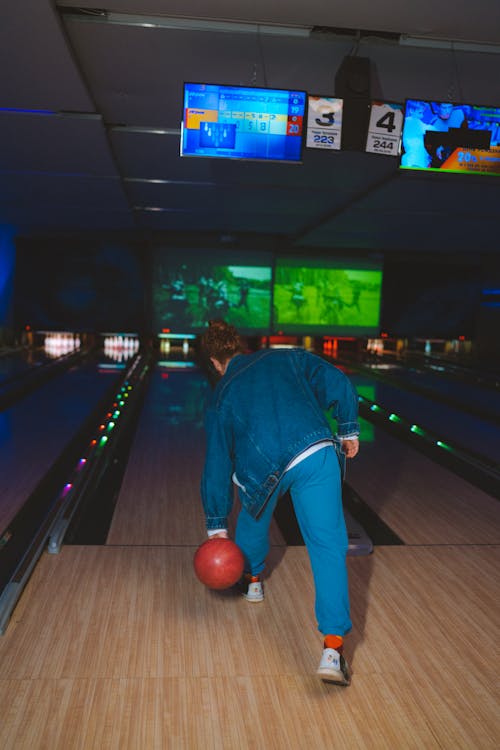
188,290
318,297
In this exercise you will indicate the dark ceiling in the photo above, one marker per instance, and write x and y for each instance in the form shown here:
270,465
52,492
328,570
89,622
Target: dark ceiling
91,101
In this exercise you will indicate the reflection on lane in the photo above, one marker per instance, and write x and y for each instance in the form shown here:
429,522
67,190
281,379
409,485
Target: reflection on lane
16,363
471,396
184,397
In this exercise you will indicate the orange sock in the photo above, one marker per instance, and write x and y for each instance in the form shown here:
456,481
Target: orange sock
334,641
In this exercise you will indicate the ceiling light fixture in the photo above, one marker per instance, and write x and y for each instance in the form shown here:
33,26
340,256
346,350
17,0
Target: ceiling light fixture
448,44
196,24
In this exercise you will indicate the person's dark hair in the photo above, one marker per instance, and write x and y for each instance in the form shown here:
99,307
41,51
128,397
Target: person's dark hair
221,341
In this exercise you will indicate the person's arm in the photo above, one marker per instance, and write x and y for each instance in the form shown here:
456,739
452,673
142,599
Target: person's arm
337,395
216,485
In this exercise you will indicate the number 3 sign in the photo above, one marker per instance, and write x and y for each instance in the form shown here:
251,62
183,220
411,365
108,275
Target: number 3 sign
324,122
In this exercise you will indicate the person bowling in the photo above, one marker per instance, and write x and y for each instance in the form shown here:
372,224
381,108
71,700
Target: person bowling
267,432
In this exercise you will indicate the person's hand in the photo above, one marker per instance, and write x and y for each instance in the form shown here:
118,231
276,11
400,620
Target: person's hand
350,447
220,535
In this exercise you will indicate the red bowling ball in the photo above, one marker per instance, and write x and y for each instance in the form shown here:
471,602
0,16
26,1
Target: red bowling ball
218,563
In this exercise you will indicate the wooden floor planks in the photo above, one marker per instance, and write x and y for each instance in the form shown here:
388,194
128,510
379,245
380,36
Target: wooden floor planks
116,647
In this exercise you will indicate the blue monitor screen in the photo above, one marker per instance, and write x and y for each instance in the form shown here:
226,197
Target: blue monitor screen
234,122
446,137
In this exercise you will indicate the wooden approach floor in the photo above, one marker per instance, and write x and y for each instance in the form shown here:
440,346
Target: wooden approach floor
120,647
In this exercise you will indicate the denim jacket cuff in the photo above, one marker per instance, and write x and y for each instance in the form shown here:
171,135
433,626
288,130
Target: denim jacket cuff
354,436
216,522
347,430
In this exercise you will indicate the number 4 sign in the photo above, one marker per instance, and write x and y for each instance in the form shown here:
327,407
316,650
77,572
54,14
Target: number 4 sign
384,131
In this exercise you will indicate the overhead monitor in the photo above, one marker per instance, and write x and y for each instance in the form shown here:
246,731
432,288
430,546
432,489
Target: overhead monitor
447,137
319,297
242,122
189,288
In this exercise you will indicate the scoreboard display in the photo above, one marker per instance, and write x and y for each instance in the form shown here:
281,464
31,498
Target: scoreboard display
242,122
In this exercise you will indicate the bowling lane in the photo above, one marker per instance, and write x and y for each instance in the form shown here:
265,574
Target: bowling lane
14,364
159,500
35,431
472,397
466,372
421,501
446,422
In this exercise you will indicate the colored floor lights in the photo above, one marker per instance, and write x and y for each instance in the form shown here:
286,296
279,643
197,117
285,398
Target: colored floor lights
68,497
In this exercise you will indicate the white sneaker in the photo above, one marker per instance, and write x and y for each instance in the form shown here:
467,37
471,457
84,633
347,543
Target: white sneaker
251,588
334,668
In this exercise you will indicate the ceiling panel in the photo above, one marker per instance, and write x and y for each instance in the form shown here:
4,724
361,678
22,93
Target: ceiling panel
38,69
34,200
136,73
109,158
473,21
59,144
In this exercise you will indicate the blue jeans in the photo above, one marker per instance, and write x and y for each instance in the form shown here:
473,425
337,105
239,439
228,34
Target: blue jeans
315,488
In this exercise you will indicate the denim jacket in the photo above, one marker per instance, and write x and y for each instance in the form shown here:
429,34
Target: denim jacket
267,409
